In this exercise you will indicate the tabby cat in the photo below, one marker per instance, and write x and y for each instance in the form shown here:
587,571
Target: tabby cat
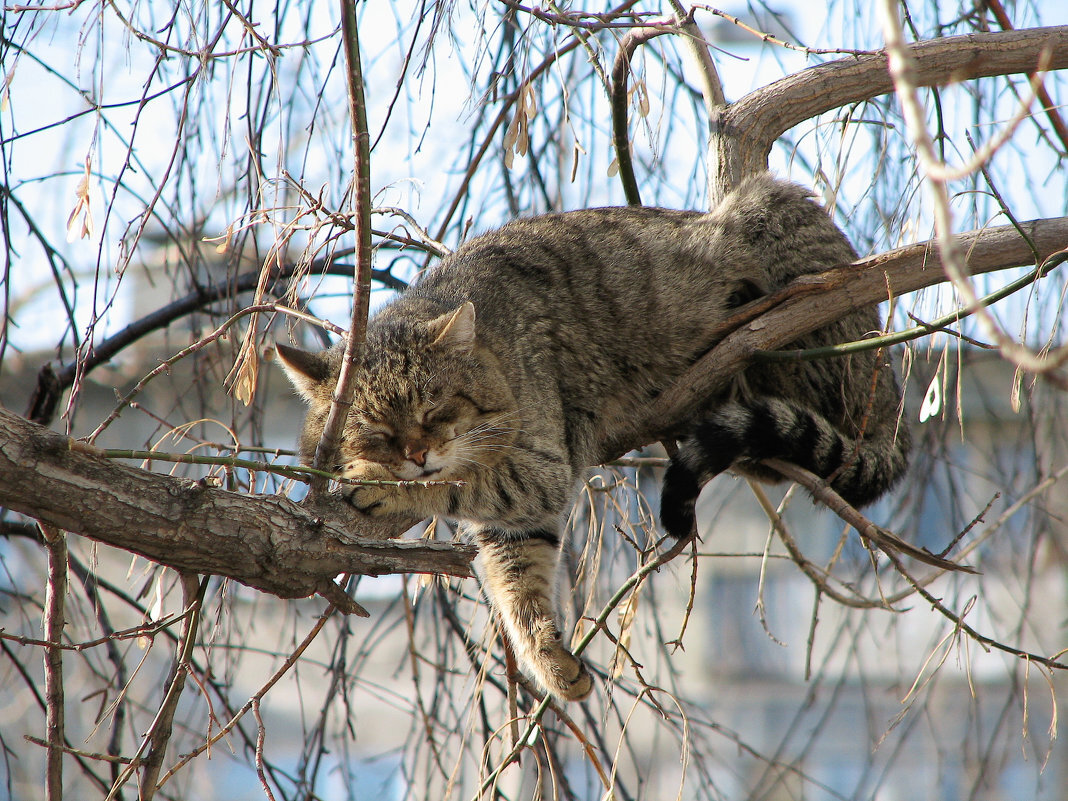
509,363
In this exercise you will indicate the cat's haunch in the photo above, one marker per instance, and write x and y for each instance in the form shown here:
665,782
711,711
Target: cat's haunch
513,360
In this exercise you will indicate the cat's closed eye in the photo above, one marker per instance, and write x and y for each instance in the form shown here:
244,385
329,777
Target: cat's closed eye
438,415
376,432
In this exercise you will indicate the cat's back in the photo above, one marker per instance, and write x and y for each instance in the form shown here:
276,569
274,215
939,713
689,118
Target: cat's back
780,225
603,249
766,230
622,299
586,274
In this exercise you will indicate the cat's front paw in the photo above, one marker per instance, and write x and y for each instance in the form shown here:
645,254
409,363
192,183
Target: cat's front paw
565,675
375,500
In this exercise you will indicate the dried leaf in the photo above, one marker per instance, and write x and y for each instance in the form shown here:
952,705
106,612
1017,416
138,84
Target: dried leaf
244,384
626,624
80,222
642,94
512,132
530,104
5,96
1014,396
516,137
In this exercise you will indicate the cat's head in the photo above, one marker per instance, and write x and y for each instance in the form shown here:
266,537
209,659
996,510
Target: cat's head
429,404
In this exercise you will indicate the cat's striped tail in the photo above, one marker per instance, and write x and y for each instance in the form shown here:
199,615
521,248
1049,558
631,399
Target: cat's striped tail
742,433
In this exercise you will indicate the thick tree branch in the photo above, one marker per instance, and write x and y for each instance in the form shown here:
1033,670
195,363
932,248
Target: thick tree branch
747,129
266,542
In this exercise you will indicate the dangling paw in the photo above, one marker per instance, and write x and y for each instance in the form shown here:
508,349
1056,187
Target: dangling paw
565,675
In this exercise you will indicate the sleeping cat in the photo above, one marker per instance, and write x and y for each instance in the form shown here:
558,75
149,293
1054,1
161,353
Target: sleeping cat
520,352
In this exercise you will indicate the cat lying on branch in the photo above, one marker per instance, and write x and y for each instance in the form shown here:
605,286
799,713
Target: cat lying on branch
512,360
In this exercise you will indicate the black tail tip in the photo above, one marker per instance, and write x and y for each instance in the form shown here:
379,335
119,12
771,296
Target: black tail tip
679,520
678,501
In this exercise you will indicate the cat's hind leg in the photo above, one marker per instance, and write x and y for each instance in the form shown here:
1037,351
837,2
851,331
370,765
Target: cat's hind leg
520,572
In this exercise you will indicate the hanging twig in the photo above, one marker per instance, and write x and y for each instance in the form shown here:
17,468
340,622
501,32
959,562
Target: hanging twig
1054,116
154,743
192,600
286,666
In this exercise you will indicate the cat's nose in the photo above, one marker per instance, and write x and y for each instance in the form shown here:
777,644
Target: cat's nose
416,452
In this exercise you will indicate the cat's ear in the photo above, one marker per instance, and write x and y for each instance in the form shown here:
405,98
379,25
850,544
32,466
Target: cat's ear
455,329
308,372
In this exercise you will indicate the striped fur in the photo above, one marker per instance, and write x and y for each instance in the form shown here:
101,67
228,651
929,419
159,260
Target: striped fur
742,434
513,360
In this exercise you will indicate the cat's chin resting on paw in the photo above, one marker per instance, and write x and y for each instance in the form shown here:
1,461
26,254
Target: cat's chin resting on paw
506,367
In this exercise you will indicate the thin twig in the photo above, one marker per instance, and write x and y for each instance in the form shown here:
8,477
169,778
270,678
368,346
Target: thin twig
261,737
1054,116
160,736
287,665
144,630
345,390
884,540
294,472
771,39
159,731
902,66
78,752
200,344
819,577
957,621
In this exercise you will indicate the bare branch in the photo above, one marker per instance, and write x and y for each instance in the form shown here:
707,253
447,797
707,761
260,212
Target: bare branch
620,133
903,70
52,383
751,125
1056,121
159,733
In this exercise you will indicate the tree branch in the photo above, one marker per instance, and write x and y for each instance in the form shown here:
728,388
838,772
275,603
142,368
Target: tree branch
619,98
52,383
267,542
345,390
55,619
749,127
292,550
